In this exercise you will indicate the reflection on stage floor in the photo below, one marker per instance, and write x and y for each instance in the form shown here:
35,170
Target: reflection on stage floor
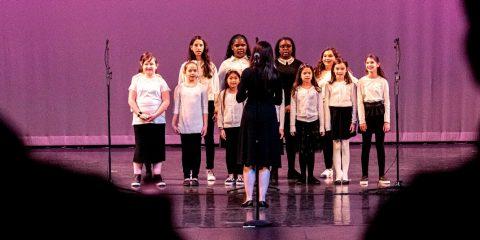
324,211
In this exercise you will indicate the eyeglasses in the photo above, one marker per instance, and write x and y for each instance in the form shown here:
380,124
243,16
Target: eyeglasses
285,46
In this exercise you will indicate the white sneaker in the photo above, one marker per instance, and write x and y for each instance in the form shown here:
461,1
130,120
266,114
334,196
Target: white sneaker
239,180
364,181
383,181
328,173
210,175
230,180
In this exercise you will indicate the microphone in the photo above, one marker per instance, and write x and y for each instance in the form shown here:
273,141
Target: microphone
256,58
396,42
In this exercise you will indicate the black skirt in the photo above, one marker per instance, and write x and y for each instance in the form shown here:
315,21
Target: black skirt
374,116
374,109
259,137
149,143
341,119
308,136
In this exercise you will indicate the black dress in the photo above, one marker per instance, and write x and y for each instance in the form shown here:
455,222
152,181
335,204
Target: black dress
258,140
287,74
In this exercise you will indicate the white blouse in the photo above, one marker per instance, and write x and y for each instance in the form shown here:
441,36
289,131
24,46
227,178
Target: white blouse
373,90
211,84
306,106
232,63
340,94
230,113
190,104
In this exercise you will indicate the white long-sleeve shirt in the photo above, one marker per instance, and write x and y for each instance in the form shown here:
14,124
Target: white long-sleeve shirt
212,84
190,105
149,96
323,81
281,112
306,106
230,112
340,94
232,63
373,90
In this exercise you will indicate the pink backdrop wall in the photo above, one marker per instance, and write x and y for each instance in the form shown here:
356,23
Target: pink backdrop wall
52,83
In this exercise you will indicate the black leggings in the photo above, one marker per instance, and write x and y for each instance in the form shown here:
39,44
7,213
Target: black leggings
191,154
374,126
231,150
290,144
327,147
209,142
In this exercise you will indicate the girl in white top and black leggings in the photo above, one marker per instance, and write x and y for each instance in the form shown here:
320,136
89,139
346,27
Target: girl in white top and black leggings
190,121
208,76
306,120
374,115
228,120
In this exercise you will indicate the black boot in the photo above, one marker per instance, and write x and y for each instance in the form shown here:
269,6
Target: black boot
302,180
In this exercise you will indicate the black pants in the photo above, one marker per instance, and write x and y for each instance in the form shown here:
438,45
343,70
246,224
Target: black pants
209,142
231,150
191,154
327,147
307,133
374,126
290,144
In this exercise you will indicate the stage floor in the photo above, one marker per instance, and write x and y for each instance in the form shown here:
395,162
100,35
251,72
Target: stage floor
325,211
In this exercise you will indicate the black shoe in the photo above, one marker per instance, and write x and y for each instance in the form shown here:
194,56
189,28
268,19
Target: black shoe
263,204
194,182
338,182
313,181
274,182
293,174
345,182
274,176
248,203
301,181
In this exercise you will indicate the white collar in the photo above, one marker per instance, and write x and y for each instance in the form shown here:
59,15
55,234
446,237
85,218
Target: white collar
234,59
284,62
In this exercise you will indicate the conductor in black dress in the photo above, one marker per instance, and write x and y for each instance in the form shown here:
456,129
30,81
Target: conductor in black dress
259,130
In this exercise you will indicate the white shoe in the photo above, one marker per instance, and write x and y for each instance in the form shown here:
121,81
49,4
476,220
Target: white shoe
137,179
364,181
328,173
383,181
210,175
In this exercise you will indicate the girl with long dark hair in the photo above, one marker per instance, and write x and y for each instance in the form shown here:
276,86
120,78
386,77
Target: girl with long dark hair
259,147
208,77
374,115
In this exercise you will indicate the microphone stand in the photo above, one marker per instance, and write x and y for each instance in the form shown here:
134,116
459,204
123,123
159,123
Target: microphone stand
108,77
398,183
